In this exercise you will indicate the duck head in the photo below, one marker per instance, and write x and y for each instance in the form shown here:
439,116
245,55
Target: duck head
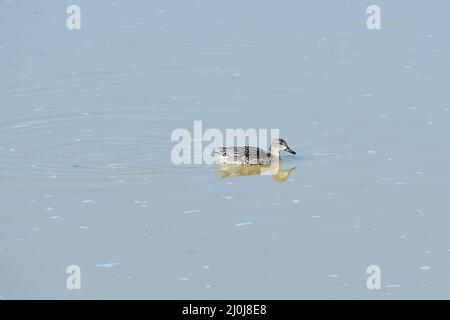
279,145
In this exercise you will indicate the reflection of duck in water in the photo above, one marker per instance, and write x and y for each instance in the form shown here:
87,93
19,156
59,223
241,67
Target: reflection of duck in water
274,169
252,155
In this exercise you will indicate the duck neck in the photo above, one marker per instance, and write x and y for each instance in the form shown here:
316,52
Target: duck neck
273,153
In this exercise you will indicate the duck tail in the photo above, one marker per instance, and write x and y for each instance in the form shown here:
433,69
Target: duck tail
218,151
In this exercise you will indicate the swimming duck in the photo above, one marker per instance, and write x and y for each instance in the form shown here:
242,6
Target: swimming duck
253,155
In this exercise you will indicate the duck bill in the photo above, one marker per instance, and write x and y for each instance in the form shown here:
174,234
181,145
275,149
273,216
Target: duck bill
290,151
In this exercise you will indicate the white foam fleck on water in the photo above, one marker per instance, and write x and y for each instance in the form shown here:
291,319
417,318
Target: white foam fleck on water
83,227
183,279
296,201
48,209
241,224
191,211
324,154
393,286
208,286
54,217
87,201
425,268
371,151
429,123
107,265
206,267
228,197
139,201
333,276
317,217
407,67
114,166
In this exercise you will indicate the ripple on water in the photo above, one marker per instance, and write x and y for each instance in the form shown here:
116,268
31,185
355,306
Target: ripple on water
87,144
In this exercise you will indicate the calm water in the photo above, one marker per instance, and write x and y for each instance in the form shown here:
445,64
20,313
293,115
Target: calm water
85,171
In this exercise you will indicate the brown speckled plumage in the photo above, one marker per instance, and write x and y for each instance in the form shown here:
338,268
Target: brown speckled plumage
252,155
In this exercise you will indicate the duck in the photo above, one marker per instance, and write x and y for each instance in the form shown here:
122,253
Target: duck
247,155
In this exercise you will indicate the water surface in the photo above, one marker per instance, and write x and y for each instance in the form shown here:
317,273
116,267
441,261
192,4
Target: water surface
86,176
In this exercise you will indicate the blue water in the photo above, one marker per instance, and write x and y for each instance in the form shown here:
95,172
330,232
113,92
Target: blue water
86,176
